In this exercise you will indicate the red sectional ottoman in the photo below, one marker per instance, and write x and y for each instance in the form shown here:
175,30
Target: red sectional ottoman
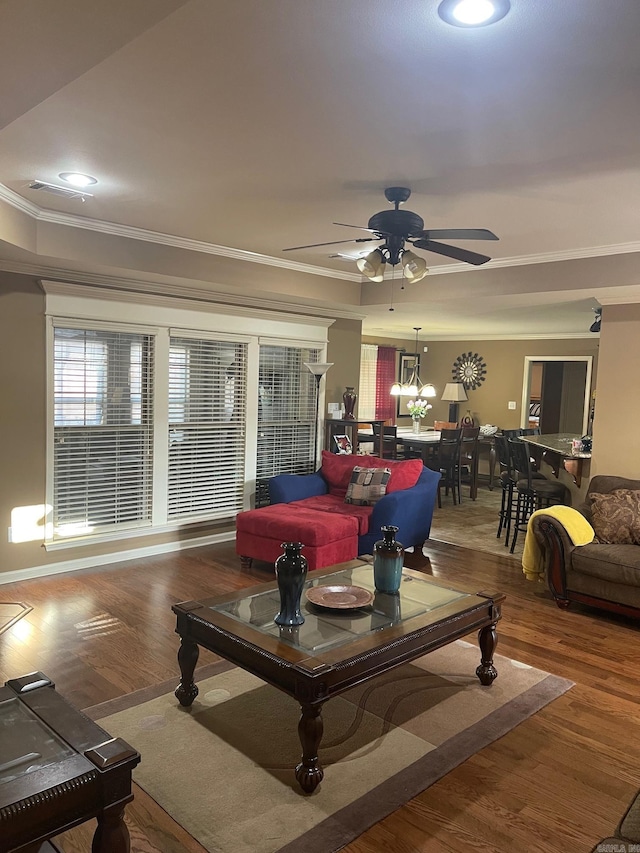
328,537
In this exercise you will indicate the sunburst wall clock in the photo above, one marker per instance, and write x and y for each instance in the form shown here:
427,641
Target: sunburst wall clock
470,369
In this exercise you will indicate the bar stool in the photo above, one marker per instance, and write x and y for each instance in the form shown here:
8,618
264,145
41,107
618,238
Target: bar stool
508,478
533,492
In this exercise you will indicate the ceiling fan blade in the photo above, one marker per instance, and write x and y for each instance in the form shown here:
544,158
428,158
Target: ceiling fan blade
359,227
330,243
454,252
459,234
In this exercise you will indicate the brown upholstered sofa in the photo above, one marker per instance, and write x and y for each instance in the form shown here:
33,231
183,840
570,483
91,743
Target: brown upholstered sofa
627,834
598,574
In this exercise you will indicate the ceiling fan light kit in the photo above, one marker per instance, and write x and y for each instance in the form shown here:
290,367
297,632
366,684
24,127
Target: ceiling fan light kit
397,227
372,265
414,267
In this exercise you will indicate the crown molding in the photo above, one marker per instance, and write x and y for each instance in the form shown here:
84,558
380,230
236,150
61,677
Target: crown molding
132,233
114,229
215,295
514,336
15,200
543,258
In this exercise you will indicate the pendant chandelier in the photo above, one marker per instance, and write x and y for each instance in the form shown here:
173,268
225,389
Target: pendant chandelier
414,386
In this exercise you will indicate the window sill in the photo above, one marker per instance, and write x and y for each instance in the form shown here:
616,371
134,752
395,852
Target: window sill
134,533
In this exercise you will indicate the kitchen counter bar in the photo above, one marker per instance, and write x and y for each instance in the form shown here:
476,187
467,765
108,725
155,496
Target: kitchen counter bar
555,450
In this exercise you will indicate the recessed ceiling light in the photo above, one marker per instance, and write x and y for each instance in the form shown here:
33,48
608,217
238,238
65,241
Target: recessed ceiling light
473,13
78,179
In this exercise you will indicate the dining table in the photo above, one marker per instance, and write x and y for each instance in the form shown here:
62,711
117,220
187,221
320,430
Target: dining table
426,440
406,436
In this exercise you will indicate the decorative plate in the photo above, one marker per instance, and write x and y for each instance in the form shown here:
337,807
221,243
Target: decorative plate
339,597
470,369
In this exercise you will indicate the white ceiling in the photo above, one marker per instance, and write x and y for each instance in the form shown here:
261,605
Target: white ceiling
256,124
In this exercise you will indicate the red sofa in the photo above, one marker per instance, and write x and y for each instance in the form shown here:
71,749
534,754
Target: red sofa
311,509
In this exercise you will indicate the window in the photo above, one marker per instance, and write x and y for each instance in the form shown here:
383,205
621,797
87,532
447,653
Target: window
172,417
103,432
106,400
377,375
207,415
367,383
286,411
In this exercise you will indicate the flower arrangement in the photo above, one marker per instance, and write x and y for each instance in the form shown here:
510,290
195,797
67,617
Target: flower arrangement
418,408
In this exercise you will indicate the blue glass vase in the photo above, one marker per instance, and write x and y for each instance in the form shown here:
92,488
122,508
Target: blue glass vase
291,572
388,557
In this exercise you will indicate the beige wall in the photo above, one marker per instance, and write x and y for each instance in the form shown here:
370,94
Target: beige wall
344,351
616,430
504,372
22,415
23,420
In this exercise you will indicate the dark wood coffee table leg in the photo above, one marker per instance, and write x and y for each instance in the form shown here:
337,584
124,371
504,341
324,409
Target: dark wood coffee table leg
488,640
111,835
309,773
188,654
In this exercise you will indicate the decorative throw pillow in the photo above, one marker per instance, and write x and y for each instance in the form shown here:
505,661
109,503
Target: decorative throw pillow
367,485
615,517
338,467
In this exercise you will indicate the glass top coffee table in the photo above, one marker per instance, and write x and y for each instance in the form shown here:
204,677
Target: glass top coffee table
334,649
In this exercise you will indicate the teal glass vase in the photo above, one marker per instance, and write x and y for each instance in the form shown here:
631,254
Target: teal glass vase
388,558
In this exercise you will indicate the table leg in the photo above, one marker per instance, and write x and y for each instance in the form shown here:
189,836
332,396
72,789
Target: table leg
188,654
111,835
492,464
488,640
309,773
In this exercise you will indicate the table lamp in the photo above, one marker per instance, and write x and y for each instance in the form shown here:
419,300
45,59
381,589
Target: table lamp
453,394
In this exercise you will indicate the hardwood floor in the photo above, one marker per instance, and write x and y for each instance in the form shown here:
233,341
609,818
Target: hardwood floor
558,782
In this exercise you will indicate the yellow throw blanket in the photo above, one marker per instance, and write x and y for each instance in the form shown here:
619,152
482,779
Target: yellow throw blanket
578,529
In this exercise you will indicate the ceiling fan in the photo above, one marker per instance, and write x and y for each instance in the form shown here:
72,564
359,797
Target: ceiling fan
396,228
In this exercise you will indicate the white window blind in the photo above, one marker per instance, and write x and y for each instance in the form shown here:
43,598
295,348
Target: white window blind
367,386
207,426
286,411
103,432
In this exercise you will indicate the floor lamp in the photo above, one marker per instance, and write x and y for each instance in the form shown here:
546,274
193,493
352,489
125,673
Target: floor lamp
318,369
453,394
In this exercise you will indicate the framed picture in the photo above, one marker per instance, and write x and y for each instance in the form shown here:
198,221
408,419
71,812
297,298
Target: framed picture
405,368
343,444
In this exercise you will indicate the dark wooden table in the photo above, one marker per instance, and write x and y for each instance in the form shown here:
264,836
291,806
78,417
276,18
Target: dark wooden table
350,428
58,769
333,650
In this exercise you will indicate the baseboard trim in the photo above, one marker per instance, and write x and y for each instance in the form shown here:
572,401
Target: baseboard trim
110,559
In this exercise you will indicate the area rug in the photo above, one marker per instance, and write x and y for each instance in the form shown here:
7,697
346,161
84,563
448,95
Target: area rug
224,768
473,524
12,612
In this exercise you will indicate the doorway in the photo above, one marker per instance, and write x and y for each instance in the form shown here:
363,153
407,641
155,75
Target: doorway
555,393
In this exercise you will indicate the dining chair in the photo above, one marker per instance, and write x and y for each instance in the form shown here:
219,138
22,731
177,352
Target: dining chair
389,440
534,492
468,461
446,460
440,425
